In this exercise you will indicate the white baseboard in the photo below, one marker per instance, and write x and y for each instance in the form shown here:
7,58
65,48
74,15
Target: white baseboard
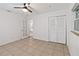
6,42
25,37
40,38
9,41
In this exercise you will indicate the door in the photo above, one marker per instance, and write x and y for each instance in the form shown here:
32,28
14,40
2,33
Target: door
57,29
52,29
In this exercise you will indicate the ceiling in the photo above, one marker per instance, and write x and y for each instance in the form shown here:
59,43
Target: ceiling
36,7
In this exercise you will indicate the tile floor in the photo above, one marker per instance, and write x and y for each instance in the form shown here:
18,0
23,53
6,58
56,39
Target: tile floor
33,47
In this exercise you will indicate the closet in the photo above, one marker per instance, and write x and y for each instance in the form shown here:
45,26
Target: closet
57,29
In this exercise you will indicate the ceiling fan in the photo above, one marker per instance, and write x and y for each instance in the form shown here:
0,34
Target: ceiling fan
26,5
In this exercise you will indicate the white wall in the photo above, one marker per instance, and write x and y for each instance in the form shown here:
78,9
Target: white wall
41,27
74,45
11,27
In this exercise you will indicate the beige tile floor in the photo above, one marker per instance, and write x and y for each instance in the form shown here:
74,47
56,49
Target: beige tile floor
33,47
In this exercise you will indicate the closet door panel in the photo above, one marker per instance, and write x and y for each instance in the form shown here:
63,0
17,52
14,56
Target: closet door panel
52,29
61,30
57,29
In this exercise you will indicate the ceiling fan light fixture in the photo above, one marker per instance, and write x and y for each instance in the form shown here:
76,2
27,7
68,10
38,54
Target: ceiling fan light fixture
26,5
24,10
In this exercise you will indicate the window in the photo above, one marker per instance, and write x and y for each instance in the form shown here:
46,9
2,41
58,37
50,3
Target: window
76,22
77,14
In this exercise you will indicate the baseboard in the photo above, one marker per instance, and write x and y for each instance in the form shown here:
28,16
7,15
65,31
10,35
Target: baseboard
40,38
69,50
25,37
9,41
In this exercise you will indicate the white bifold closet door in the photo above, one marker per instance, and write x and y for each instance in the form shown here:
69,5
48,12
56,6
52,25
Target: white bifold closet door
57,29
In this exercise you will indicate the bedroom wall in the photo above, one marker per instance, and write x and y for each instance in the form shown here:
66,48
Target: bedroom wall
11,26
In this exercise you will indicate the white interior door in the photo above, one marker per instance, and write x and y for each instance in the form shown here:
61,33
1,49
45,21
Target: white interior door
61,29
52,29
57,29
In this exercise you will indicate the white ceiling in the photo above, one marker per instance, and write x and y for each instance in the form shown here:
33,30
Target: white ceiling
36,7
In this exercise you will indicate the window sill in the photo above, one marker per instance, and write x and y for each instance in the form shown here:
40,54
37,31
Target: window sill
75,32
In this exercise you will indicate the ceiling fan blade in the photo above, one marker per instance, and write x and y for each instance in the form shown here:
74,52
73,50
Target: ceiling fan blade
29,10
33,9
19,7
25,7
